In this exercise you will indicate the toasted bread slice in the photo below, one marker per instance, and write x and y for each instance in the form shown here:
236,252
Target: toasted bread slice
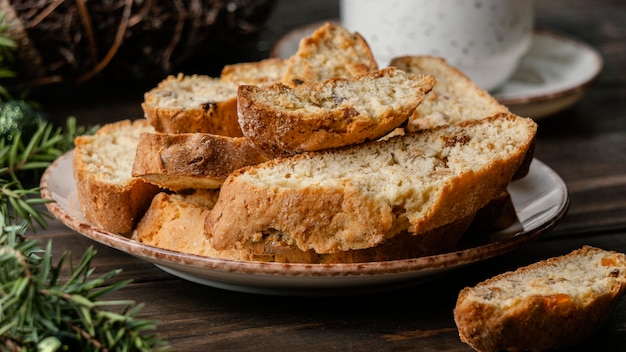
175,222
195,103
178,161
109,196
330,52
328,114
259,72
548,305
358,197
453,99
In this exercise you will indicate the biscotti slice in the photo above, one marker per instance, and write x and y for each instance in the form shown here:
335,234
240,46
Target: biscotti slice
359,196
259,72
330,52
109,196
178,161
454,98
275,247
548,305
193,103
284,121
175,222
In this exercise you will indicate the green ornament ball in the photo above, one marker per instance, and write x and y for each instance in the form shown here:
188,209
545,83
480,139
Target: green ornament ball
17,116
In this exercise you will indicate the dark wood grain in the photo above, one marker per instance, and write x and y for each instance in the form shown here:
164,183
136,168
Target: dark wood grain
586,145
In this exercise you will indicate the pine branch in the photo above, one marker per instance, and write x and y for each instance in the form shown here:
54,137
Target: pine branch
41,309
47,306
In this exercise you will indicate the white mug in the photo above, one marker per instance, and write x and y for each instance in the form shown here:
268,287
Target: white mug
485,39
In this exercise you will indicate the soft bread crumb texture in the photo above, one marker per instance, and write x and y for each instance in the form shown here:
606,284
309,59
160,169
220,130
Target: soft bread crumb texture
108,195
454,98
330,52
370,97
333,113
399,173
192,91
558,302
357,197
115,165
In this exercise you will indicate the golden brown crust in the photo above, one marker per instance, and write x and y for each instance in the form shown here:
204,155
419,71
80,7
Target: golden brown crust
454,98
193,104
330,52
112,204
192,160
175,222
546,318
334,206
328,114
274,247
258,72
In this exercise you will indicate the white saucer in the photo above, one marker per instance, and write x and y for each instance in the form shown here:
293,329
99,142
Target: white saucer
552,76
540,199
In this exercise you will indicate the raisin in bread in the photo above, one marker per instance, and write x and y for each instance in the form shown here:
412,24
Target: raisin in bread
178,161
193,103
330,52
109,196
284,121
360,196
548,305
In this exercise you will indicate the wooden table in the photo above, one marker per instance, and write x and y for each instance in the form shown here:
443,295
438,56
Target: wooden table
586,145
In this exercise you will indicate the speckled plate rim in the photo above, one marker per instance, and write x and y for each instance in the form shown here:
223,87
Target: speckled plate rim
582,83
539,210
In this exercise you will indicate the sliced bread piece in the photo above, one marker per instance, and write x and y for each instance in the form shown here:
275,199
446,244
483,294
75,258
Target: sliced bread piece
194,103
175,222
548,305
328,114
454,98
109,196
178,161
330,52
258,72
358,197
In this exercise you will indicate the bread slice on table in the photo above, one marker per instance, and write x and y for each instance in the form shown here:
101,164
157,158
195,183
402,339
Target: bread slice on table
256,73
178,161
454,98
360,196
193,103
109,196
548,305
330,52
284,121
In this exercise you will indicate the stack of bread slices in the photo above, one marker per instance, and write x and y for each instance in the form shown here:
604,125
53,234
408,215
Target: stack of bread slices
319,158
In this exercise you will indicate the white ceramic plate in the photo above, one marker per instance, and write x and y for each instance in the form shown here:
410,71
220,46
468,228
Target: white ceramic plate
540,199
553,75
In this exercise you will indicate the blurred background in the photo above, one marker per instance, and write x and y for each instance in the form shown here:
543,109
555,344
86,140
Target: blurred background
98,57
